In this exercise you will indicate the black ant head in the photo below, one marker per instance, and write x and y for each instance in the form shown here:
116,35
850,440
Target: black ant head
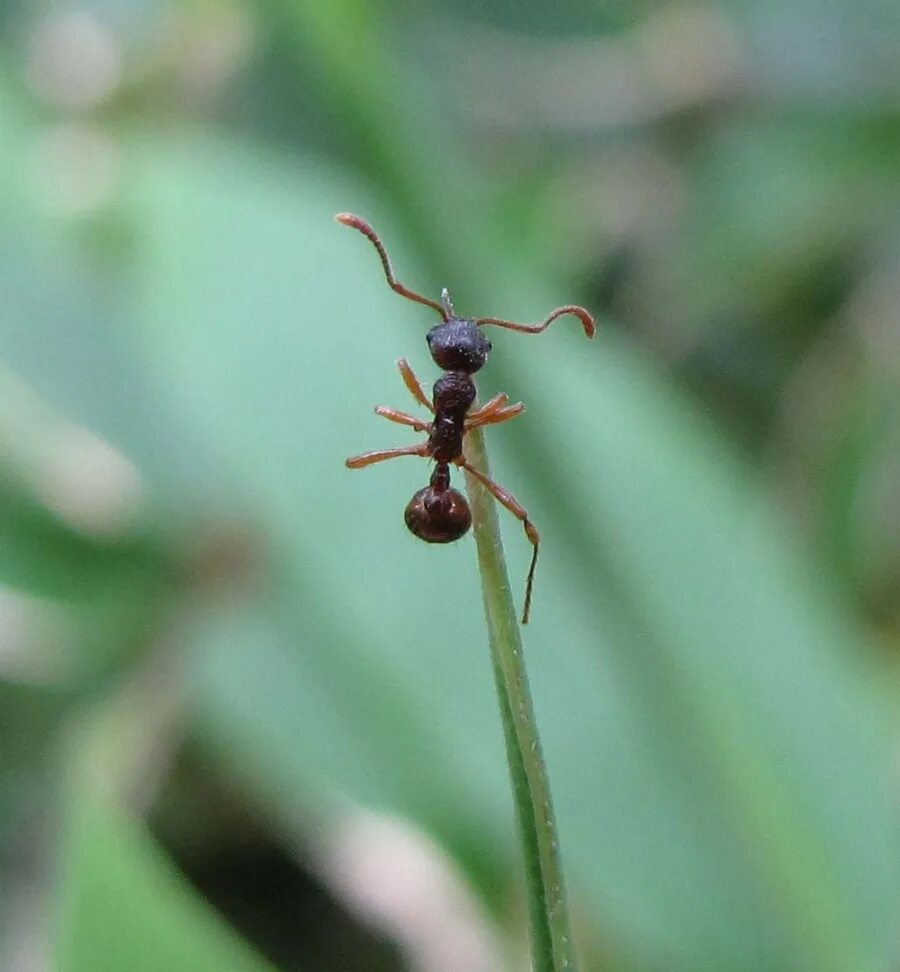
458,344
438,515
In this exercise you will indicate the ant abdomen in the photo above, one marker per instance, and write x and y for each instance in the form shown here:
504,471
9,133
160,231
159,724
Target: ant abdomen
438,515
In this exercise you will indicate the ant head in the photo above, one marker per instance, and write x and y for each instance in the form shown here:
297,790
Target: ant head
458,344
438,515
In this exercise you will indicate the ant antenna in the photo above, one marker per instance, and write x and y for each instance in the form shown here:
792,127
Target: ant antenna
358,223
587,322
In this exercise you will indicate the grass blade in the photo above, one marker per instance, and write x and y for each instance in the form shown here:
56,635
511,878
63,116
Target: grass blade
551,940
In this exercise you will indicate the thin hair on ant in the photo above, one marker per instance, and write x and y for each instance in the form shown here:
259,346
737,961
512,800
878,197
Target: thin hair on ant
438,513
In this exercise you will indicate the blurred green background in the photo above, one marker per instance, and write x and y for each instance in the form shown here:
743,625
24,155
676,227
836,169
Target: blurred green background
246,719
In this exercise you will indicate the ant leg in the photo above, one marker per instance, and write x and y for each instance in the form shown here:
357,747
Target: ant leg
491,405
587,322
401,418
367,458
412,384
497,416
505,498
358,223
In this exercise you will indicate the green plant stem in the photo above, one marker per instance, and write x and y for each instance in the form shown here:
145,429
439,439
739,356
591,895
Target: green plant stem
551,940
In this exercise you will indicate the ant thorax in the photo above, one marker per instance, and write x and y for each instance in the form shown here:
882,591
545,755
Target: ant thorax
453,393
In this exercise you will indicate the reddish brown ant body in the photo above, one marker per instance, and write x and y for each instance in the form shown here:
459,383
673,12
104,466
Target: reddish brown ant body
439,513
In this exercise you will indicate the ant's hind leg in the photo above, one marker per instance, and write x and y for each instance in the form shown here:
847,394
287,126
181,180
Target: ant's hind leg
380,455
412,384
401,418
505,498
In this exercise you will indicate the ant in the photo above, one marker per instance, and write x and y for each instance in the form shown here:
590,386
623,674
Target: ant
439,513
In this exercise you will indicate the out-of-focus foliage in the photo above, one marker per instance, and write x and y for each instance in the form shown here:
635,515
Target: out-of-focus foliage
246,720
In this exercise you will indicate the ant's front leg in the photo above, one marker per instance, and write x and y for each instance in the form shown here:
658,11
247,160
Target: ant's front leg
401,418
505,498
412,384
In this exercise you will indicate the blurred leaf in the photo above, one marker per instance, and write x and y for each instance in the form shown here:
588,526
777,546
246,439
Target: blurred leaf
41,554
94,582
719,763
822,52
721,767
122,904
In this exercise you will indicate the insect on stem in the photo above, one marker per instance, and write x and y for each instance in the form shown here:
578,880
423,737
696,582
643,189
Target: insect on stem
439,513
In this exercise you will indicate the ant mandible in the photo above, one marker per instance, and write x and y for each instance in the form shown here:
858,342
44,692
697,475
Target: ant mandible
439,513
